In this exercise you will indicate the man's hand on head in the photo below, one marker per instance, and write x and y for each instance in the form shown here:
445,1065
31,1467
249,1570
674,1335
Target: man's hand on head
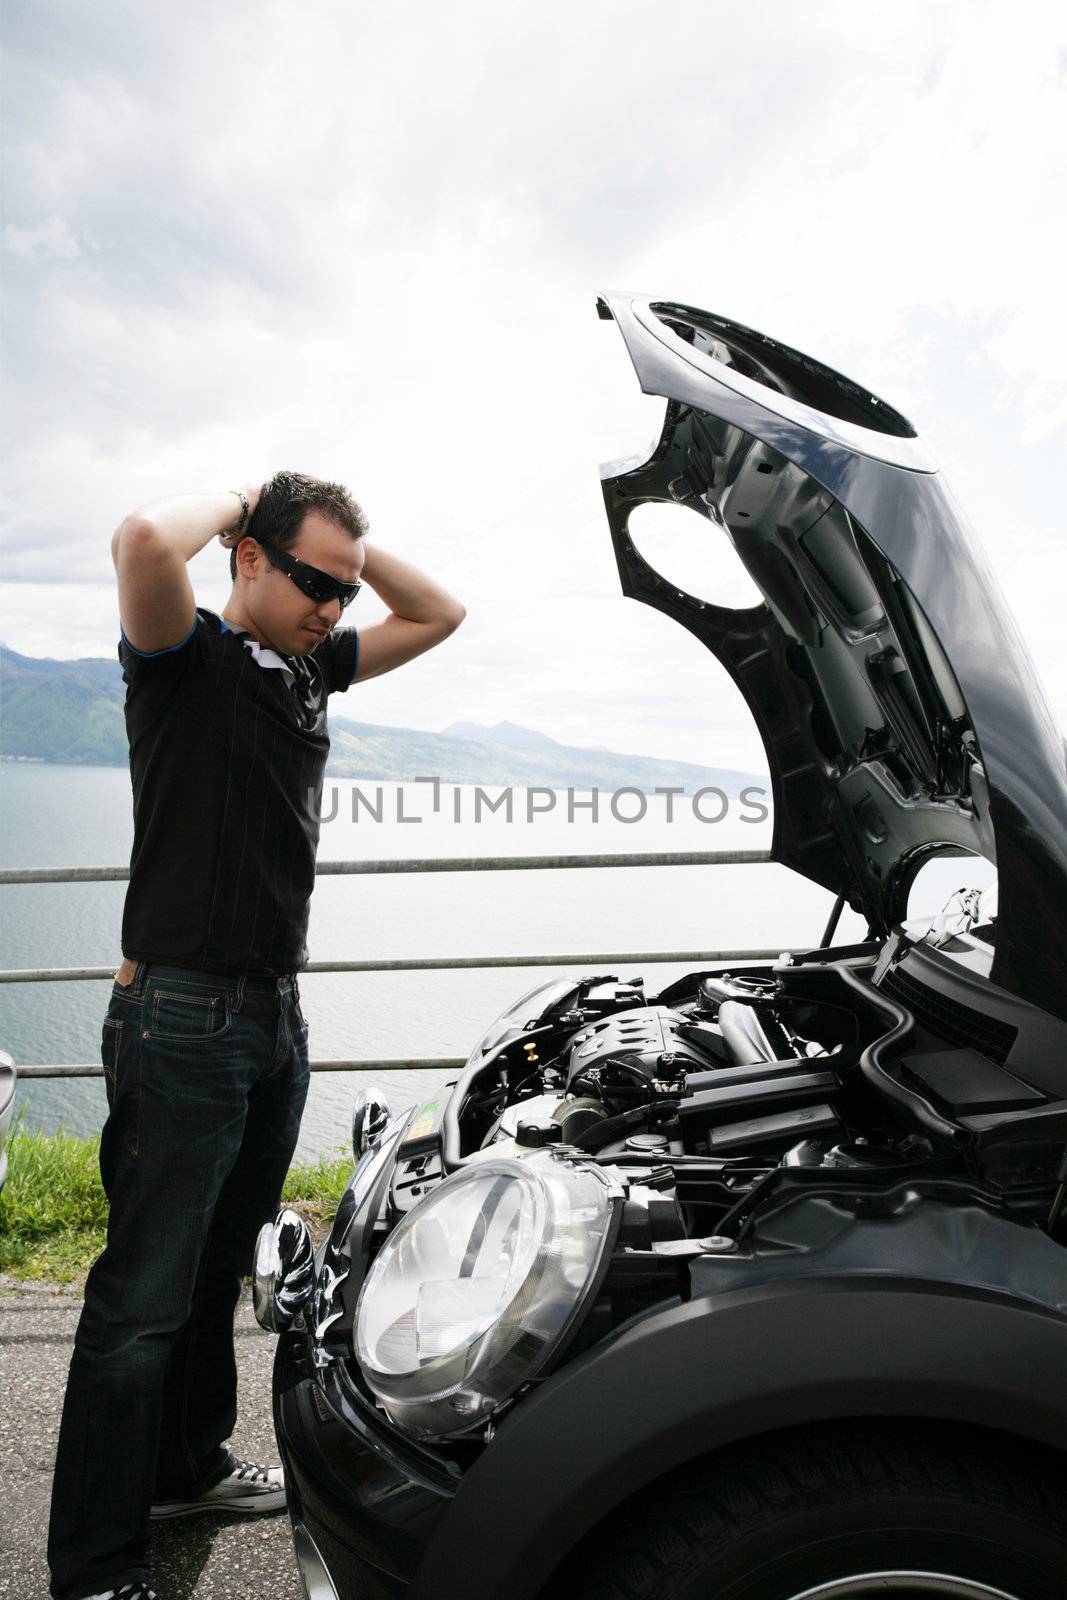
422,614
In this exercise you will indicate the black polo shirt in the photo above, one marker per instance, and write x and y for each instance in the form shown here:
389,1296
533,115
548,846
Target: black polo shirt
228,746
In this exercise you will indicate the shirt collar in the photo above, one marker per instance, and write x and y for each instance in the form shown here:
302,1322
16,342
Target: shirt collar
262,655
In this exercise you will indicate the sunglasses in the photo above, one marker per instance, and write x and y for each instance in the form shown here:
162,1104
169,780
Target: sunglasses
317,585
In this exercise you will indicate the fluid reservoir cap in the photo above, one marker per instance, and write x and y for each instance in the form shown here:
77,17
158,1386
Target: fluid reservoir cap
534,1135
647,1143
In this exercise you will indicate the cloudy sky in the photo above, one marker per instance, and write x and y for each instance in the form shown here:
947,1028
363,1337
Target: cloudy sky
366,241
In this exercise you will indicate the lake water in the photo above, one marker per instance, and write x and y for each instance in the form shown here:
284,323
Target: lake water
80,816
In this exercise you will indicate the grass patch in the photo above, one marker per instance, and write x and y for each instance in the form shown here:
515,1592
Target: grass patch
53,1211
314,1190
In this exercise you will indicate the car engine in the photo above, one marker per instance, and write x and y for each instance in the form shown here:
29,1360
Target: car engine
849,1110
867,1075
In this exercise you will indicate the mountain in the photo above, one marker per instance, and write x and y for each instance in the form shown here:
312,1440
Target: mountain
509,733
62,710
71,711
471,752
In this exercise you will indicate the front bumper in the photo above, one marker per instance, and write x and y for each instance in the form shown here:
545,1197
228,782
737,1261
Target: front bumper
363,1500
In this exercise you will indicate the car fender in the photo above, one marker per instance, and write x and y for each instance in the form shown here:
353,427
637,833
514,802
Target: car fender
698,1376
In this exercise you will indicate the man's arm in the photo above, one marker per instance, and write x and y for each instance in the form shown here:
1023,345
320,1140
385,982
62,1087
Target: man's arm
423,614
150,549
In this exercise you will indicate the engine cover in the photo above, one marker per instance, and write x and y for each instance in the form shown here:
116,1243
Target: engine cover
640,1037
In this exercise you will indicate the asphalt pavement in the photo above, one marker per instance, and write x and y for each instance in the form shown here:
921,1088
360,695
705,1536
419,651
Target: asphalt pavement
211,1556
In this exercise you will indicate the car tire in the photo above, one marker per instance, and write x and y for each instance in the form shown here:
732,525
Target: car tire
918,1513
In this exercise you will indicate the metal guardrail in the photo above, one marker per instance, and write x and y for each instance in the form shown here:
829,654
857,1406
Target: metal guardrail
623,958
330,869
93,1069
656,858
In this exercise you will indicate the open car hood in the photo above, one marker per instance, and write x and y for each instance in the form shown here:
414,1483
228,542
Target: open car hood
898,705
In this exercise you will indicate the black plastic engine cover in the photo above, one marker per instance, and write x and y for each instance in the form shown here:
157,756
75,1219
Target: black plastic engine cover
639,1037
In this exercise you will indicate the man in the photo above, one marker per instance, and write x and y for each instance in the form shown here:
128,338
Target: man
204,1044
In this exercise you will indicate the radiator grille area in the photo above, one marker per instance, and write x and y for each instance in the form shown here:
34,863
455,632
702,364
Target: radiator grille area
949,1019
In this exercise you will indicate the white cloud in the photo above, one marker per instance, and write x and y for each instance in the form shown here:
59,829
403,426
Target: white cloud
48,241
369,246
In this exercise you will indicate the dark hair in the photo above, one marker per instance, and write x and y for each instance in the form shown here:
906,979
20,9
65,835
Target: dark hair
286,499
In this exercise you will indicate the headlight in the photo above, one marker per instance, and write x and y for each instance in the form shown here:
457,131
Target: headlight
477,1287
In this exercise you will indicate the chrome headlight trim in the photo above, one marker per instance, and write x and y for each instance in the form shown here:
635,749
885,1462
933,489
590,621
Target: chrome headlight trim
480,1285
370,1118
283,1275
347,1247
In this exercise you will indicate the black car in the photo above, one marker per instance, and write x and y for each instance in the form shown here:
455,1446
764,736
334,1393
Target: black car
754,1288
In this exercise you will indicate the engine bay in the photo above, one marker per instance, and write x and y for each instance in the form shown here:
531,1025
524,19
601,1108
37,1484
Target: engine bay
860,1077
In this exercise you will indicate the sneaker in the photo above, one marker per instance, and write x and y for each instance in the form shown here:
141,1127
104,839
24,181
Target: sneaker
247,1488
129,1591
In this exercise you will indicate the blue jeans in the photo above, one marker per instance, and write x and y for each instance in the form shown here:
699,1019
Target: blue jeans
206,1080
